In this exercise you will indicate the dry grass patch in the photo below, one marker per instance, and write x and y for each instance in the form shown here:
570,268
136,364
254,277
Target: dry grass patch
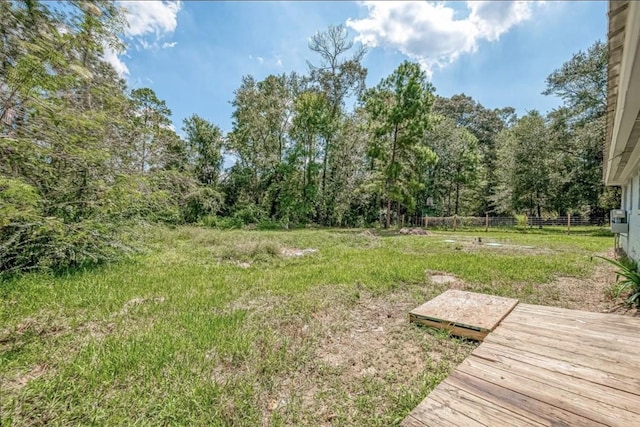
353,357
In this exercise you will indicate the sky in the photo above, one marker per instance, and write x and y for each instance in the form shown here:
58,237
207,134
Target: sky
193,54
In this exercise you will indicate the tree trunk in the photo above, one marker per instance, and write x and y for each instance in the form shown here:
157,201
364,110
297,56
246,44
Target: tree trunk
457,197
539,210
388,213
393,160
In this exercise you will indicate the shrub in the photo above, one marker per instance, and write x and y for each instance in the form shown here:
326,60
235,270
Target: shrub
628,279
266,224
31,240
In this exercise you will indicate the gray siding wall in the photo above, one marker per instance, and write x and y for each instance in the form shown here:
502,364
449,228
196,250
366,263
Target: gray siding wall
630,242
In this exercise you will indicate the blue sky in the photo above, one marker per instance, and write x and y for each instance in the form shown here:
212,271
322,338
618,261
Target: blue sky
193,54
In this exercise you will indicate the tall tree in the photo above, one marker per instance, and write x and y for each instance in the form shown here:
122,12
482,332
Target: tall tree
526,166
204,149
459,166
152,119
579,129
259,137
485,125
399,107
338,76
581,83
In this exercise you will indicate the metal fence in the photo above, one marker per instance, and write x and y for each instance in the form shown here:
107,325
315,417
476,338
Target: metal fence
505,221
565,221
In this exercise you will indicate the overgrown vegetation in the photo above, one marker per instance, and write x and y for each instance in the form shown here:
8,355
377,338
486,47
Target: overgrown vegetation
627,280
82,155
244,327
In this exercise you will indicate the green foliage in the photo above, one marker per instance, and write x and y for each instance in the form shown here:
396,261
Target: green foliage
399,109
459,166
204,145
628,279
582,83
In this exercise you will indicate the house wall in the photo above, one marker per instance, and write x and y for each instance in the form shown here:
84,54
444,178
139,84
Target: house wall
630,242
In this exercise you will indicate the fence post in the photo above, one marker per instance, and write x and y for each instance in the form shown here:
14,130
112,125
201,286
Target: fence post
568,222
486,222
455,222
426,222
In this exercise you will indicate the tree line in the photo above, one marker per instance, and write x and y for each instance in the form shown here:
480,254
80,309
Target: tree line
82,155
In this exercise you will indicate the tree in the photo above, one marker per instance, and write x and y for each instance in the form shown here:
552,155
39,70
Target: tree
581,83
524,154
485,125
399,108
152,120
459,162
260,130
337,77
578,129
61,109
310,122
203,149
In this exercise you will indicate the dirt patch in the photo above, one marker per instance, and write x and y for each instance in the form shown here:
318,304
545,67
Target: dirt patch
129,305
369,234
416,231
97,330
442,279
21,380
592,293
44,326
293,252
363,345
370,340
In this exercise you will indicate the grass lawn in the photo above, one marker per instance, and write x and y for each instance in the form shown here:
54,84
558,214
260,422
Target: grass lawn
217,327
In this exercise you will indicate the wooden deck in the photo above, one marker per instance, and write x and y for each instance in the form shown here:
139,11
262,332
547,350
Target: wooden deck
543,366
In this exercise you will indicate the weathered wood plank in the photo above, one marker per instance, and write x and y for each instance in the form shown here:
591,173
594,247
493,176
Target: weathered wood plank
580,344
520,382
574,368
411,421
483,411
543,366
431,413
577,326
450,327
518,403
564,353
615,320
590,390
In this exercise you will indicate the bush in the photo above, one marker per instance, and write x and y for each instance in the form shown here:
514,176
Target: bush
249,215
630,283
229,223
50,244
266,224
29,240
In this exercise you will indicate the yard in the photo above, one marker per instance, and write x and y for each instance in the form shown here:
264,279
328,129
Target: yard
301,327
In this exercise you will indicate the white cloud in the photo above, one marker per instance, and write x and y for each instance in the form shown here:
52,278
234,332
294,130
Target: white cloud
145,18
112,58
260,59
430,33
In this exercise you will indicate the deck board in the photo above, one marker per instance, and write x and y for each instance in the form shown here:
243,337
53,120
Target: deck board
544,366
